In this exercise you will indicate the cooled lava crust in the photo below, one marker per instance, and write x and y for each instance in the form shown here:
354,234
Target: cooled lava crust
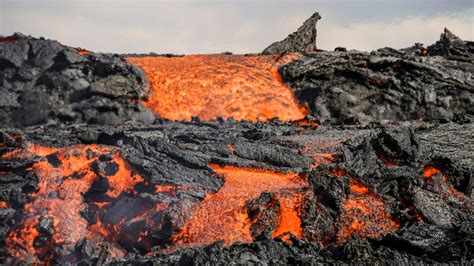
290,158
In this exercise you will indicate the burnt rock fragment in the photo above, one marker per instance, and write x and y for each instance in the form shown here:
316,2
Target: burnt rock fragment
263,211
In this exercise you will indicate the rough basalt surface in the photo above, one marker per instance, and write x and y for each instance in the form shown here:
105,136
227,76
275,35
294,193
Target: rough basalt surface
434,215
387,86
45,82
303,40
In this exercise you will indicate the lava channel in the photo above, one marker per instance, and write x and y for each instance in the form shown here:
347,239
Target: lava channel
64,176
223,215
228,86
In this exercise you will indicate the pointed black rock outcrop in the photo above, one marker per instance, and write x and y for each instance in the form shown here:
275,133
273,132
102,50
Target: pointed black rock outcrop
303,40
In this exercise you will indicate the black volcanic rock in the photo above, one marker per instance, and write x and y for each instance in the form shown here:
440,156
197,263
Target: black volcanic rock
385,86
43,81
452,46
303,40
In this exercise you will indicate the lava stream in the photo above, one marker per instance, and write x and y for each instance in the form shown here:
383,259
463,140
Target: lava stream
228,86
223,216
63,177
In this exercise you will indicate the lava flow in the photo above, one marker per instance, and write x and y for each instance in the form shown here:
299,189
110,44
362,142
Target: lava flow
53,217
290,221
223,216
364,214
228,86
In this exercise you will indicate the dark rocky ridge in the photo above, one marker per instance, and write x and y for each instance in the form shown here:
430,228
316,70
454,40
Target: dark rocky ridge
43,81
453,47
387,86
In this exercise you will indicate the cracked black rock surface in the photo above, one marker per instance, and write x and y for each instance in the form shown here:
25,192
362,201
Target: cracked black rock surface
386,86
45,82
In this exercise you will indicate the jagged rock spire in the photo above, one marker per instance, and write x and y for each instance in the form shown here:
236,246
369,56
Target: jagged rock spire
303,40
448,37
450,45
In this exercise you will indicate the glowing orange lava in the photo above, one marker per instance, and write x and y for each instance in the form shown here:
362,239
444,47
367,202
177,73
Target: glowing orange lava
82,51
59,196
364,215
168,189
322,150
223,216
429,171
444,187
306,122
289,217
321,158
228,86
337,172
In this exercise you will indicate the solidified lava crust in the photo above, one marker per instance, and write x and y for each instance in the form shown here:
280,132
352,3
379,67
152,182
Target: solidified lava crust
302,157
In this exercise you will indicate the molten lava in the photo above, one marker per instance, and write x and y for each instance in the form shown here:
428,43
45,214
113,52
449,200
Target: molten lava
364,214
63,177
223,216
443,186
289,218
228,86
429,171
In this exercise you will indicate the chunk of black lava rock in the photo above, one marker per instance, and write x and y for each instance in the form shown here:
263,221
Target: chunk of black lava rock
303,40
387,86
45,82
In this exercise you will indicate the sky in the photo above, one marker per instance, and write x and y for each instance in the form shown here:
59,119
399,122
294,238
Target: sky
238,26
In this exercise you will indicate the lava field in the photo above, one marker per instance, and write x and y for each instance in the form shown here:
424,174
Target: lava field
290,156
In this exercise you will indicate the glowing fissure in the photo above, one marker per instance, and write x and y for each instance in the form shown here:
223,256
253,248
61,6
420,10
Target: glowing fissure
83,51
223,216
228,86
66,174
